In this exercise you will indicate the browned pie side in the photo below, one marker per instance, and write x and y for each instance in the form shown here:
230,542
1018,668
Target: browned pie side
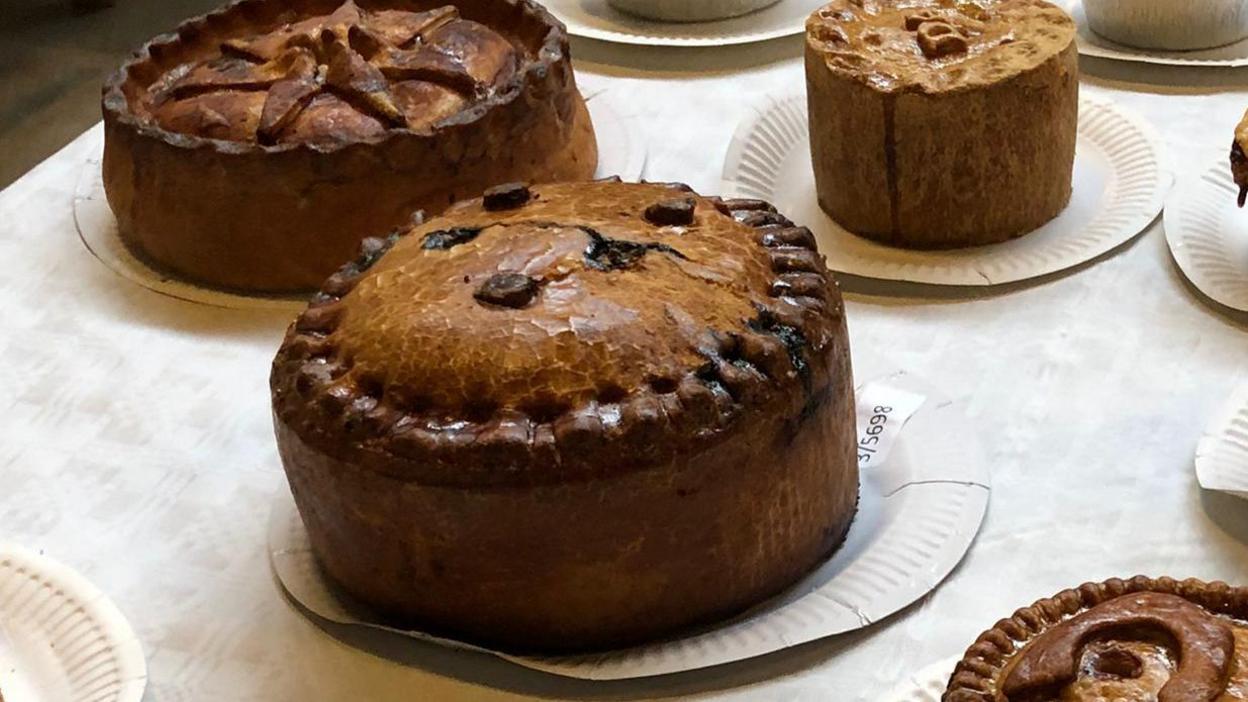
940,125
1239,161
241,158
1139,639
592,415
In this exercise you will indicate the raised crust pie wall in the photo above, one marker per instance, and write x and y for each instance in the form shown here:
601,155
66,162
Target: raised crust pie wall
574,416
256,147
937,125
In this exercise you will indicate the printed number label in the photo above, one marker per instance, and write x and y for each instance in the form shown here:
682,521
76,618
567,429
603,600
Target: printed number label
868,445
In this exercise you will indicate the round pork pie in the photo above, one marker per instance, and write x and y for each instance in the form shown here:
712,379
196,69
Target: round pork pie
256,147
1137,640
938,124
573,416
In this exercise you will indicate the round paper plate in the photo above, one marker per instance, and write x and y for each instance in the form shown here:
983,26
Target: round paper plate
621,151
1208,235
1092,44
1222,454
1119,186
927,685
918,514
61,639
595,19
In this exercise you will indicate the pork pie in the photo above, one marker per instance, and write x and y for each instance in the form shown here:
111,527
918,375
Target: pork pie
936,124
1137,640
573,416
255,147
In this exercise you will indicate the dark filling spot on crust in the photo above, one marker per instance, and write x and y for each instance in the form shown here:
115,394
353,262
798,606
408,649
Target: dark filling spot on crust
506,197
1116,662
606,254
708,373
443,239
793,339
513,290
372,249
677,212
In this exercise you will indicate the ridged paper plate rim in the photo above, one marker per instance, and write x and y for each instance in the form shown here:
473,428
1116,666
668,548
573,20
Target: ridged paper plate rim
621,150
1132,199
593,19
927,685
1091,44
101,656
939,501
1222,454
1198,234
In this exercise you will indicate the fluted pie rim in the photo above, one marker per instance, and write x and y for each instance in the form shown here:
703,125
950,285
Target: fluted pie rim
116,106
314,407
986,659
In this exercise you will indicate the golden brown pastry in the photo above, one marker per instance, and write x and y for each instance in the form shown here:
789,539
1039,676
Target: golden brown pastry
1239,162
936,124
573,416
256,147
1137,640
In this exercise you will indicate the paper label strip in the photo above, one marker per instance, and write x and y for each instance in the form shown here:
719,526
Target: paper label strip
882,413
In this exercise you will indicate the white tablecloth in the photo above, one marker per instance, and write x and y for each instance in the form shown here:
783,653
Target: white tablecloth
136,445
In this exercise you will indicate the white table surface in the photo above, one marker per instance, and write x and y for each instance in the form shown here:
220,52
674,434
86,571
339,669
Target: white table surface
136,445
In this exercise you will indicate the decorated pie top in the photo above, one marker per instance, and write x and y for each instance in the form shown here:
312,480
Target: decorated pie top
1239,159
348,75
555,317
937,45
1135,640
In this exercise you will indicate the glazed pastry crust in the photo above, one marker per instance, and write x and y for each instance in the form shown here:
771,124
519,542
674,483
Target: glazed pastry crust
919,143
979,676
196,191
657,432
1239,159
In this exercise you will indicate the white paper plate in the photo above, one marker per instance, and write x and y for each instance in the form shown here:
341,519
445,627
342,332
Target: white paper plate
1092,44
1119,186
918,515
595,19
1222,454
927,685
621,151
1208,235
61,639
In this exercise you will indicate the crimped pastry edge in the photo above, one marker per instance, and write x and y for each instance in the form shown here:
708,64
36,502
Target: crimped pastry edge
774,233
117,109
986,659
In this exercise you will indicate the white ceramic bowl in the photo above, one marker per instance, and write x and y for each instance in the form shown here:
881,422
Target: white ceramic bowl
689,10
1173,25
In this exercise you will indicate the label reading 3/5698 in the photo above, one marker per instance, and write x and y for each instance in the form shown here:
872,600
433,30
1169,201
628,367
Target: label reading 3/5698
882,412
869,442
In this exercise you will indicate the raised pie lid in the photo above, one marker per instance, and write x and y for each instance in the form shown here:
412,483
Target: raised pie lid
935,45
539,326
1142,638
275,76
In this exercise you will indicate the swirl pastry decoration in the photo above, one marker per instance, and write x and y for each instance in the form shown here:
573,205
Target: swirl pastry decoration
1137,640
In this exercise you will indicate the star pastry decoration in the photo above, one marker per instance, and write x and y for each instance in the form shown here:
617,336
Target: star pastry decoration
351,53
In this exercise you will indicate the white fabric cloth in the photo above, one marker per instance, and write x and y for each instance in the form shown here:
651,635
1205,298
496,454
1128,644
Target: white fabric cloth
136,444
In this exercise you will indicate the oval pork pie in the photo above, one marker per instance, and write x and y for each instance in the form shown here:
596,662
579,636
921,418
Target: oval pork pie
573,416
1137,640
256,147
